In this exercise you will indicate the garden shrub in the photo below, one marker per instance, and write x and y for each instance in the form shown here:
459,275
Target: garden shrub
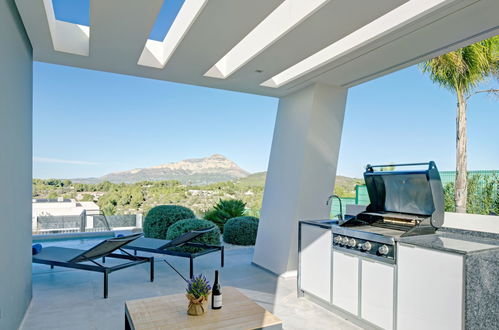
186,225
225,210
241,230
161,217
483,195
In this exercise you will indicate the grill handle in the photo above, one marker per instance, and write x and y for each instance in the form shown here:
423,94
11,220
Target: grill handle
370,168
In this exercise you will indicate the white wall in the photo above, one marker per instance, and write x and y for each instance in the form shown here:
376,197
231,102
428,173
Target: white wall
301,172
475,222
15,167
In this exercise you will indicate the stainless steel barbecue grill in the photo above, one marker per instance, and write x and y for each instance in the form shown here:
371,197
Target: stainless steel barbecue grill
403,203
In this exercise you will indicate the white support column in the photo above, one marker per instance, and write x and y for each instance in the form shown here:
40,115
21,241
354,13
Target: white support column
301,172
138,220
16,161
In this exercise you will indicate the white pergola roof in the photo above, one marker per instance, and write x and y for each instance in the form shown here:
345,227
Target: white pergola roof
267,47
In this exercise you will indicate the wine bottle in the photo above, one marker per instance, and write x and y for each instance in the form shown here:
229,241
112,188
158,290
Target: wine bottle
216,294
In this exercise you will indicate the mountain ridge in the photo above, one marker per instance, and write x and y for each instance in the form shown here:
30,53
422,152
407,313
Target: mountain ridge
193,171
202,171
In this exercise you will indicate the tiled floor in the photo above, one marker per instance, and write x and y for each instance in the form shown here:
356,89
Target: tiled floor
72,299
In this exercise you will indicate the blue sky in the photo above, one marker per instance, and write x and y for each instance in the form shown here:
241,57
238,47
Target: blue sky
89,123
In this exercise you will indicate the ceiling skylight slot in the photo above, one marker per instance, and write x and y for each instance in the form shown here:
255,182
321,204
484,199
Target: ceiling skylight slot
68,23
167,14
282,20
172,24
395,19
74,11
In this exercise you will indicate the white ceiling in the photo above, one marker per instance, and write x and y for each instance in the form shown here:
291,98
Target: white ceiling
119,30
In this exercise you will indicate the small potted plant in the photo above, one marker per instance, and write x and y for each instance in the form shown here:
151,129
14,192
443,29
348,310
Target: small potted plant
198,290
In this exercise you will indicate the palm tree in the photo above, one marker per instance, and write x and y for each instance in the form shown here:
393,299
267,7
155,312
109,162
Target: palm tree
461,72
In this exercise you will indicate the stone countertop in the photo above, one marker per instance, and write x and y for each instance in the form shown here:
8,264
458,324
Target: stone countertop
326,223
453,242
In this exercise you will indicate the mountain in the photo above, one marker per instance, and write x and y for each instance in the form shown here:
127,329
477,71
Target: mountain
196,171
201,171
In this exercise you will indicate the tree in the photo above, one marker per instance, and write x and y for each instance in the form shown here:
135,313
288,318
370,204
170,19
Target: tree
461,72
52,195
87,198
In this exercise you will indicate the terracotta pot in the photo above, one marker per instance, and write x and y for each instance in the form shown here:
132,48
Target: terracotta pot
197,306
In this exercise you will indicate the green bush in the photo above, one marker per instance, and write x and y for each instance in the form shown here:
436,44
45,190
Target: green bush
186,225
160,218
241,231
225,210
483,195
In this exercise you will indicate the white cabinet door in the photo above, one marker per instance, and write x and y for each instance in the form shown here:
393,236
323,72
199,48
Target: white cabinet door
377,282
346,281
315,261
430,289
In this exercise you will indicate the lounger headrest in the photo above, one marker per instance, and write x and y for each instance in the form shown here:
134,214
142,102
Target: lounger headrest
105,247
187,237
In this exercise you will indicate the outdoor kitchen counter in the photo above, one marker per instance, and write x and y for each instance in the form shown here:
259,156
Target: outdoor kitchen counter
453,242
480,253
326,223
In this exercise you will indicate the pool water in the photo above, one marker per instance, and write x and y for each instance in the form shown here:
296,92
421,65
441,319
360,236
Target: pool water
75,243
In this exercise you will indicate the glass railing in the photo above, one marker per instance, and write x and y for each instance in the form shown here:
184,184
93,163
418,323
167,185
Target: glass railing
87,221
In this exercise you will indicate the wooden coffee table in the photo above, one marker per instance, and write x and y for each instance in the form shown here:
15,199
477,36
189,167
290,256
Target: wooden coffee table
170,312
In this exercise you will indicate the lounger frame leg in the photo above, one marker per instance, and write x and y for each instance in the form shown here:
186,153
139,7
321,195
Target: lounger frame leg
222,256
191,267
106,283
51,266
152,269
127,323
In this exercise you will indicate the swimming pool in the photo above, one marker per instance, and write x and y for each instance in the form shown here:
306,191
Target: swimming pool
74,242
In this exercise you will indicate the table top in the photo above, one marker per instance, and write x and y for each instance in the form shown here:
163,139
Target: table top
170,312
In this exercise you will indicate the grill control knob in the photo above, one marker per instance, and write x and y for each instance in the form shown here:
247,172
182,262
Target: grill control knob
383,249
337,239
352,243
366,246
344,241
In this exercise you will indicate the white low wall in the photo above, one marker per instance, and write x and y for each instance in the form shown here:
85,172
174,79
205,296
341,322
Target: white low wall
476,222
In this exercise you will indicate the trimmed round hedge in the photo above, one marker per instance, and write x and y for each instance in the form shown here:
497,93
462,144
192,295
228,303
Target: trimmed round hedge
241,230
160,218
183,226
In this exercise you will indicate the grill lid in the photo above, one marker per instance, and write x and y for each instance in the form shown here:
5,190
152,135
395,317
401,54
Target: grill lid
418,193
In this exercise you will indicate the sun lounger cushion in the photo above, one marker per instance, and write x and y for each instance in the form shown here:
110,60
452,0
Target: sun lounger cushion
147,243
59,254
36,248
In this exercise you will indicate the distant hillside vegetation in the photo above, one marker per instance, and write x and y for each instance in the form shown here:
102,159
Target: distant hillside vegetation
197,183
255,179
345,186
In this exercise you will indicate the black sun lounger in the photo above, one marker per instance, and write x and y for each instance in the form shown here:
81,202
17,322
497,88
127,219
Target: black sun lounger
160,246
85,259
